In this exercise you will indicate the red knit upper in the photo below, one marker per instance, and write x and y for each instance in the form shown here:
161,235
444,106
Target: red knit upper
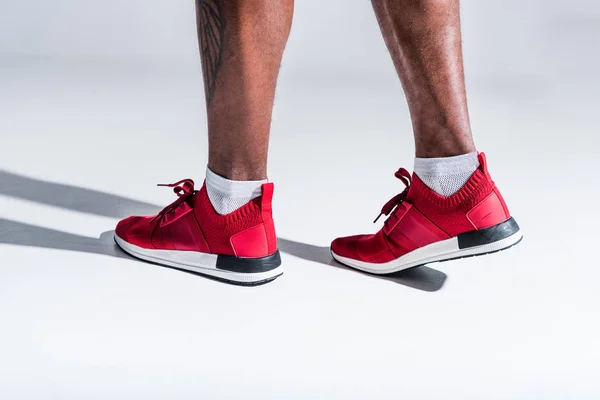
194,225
421,217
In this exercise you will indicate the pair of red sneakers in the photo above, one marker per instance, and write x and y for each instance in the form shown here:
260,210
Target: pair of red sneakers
241,247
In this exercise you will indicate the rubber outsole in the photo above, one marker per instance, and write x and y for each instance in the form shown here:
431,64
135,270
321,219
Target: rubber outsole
163,263
489,235
249,265
429,263
216,278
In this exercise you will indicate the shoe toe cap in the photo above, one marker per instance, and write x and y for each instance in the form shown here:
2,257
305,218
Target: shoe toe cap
135,230
346,246
366,248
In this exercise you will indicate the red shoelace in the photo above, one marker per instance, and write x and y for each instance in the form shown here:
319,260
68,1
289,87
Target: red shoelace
183,189
395,201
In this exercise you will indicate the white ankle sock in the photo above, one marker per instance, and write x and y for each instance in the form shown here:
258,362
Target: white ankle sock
446,175
227,196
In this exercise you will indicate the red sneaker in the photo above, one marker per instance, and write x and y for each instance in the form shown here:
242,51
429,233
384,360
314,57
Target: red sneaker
240,247
425,227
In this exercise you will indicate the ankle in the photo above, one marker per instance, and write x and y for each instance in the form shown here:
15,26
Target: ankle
441,148
239,173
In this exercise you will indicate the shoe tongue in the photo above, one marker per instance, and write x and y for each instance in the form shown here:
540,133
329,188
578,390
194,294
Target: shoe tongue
177,213
200,199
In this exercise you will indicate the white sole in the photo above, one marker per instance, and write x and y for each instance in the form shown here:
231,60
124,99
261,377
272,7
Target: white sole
443,250
201,263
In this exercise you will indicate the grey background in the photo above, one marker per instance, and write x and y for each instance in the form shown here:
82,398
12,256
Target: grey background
529,37
99,101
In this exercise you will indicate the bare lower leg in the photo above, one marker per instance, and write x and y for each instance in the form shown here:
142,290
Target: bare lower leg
241,46
424,40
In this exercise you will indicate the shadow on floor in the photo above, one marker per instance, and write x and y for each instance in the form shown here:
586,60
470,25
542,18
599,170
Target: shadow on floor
18,233
109,205
422,278
72,197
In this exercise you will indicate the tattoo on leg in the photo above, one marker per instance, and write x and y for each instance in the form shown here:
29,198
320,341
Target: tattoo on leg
211,30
